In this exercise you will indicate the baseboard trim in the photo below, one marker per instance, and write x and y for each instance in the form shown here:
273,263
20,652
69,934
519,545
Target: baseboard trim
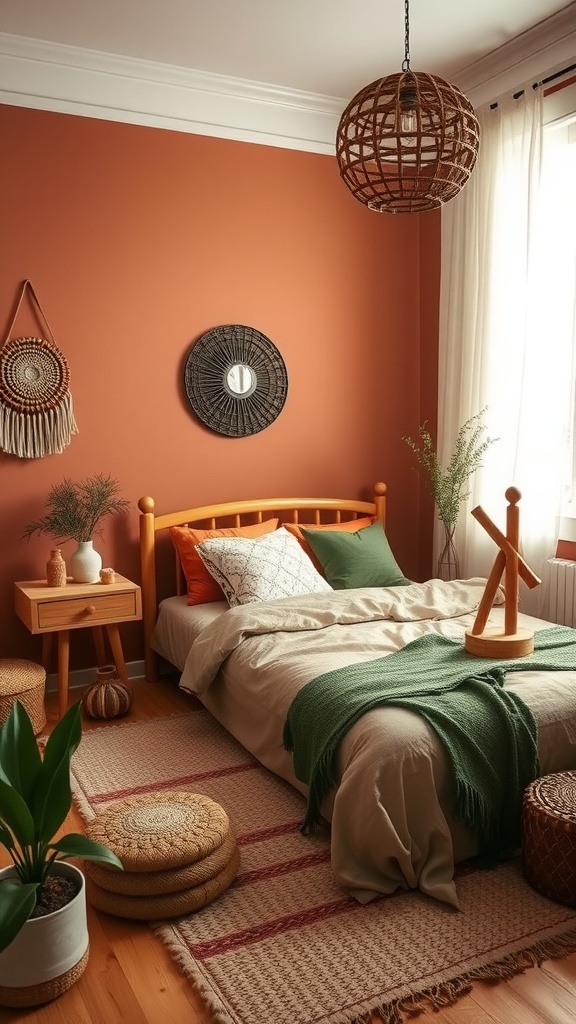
84,677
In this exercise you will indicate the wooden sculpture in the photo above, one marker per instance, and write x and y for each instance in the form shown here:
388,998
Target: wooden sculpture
511,642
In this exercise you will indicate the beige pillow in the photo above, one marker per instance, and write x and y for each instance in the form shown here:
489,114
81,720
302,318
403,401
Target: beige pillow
263,569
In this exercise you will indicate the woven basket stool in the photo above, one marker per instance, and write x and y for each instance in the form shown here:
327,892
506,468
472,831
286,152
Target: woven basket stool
24,681
549,836
178,850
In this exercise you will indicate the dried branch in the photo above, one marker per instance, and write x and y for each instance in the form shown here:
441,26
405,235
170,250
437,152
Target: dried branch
76,509
447,485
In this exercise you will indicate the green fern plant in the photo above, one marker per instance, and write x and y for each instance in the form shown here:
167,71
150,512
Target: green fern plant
447,486
76,509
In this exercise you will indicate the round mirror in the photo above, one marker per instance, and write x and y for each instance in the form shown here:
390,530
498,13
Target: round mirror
235,380
240,379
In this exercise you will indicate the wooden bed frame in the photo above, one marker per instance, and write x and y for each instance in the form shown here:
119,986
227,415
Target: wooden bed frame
231,513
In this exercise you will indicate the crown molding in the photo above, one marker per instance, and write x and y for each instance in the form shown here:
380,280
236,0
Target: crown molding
88,83
531,56
72,80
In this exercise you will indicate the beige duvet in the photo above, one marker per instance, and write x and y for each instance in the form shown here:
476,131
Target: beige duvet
391,819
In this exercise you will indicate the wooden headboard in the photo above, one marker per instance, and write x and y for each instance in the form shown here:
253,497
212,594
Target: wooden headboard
232,513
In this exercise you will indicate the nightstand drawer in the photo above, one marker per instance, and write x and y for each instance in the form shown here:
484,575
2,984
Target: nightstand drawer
87,611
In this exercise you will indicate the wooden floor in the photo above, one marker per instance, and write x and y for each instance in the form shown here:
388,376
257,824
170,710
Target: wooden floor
130,978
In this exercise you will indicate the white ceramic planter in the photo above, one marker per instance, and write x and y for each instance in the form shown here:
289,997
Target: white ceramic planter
46,948
85,563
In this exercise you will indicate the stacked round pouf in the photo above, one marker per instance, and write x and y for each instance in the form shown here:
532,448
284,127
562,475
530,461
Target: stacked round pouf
178,850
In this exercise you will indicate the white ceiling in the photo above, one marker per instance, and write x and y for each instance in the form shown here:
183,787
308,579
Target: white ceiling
327,47
274,72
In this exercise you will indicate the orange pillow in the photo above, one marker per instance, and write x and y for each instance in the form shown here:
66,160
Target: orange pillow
202,587
350,526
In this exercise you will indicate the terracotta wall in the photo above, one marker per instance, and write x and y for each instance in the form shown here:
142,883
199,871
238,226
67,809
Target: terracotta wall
139,240
566,549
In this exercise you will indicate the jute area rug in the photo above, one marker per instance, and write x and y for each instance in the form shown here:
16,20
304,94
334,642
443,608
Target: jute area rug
285,943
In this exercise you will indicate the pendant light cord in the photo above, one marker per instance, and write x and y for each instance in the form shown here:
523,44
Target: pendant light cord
406,61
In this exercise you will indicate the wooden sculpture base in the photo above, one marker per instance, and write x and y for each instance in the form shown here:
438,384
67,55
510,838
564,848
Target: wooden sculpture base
494,643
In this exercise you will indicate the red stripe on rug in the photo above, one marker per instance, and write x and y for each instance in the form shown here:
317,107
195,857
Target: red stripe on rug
286,867
182,780
279,926
268,833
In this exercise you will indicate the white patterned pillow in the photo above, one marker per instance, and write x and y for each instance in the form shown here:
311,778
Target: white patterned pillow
261,569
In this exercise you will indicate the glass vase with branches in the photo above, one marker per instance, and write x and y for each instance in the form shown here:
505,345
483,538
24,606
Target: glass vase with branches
448,485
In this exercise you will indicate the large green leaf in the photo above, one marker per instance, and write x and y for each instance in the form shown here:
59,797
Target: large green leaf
65,736
50,812
77,845
6,838
20,759
53,796
17,902
15,814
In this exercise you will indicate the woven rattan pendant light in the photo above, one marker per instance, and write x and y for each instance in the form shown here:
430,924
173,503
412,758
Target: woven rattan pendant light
407,142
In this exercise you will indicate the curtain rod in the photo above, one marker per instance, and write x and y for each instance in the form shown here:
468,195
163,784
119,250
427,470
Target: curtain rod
536,85
557,74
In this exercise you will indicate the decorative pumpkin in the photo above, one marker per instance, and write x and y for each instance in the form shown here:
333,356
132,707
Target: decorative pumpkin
109,696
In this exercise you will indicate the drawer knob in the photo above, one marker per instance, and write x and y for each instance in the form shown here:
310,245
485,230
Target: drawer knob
90,609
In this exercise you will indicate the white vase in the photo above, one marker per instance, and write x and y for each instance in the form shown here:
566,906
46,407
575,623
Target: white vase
85,563
49,953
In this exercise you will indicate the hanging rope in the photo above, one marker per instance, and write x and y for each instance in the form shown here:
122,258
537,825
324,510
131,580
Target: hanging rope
36,413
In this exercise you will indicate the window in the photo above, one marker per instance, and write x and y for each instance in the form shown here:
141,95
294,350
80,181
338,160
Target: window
507,312
557,262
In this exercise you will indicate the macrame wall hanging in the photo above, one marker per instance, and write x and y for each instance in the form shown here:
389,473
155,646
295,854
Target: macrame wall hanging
36,414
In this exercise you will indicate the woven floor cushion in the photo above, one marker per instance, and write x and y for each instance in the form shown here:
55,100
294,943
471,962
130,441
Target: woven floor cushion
155,883
161,831
166,905
24,681
549,836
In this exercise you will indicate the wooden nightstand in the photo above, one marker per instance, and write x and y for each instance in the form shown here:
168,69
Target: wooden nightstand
48,610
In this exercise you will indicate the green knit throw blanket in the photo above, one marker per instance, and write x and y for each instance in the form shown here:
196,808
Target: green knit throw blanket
489,733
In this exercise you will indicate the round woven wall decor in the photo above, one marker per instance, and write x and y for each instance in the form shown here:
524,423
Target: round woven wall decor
34,375
36,412
236,380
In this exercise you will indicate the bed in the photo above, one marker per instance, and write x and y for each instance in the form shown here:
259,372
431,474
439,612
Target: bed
246,657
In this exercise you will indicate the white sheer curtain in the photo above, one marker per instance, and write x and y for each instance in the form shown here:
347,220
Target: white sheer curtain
499,348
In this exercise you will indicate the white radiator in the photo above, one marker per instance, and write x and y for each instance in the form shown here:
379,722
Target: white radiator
561,591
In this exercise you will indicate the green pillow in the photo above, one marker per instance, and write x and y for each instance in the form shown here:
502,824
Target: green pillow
361,559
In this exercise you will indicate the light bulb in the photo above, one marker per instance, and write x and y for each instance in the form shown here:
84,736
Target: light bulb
408,127
408,122
408,97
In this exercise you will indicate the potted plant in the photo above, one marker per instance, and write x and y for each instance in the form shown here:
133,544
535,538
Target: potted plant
43,931
76,510
447,486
